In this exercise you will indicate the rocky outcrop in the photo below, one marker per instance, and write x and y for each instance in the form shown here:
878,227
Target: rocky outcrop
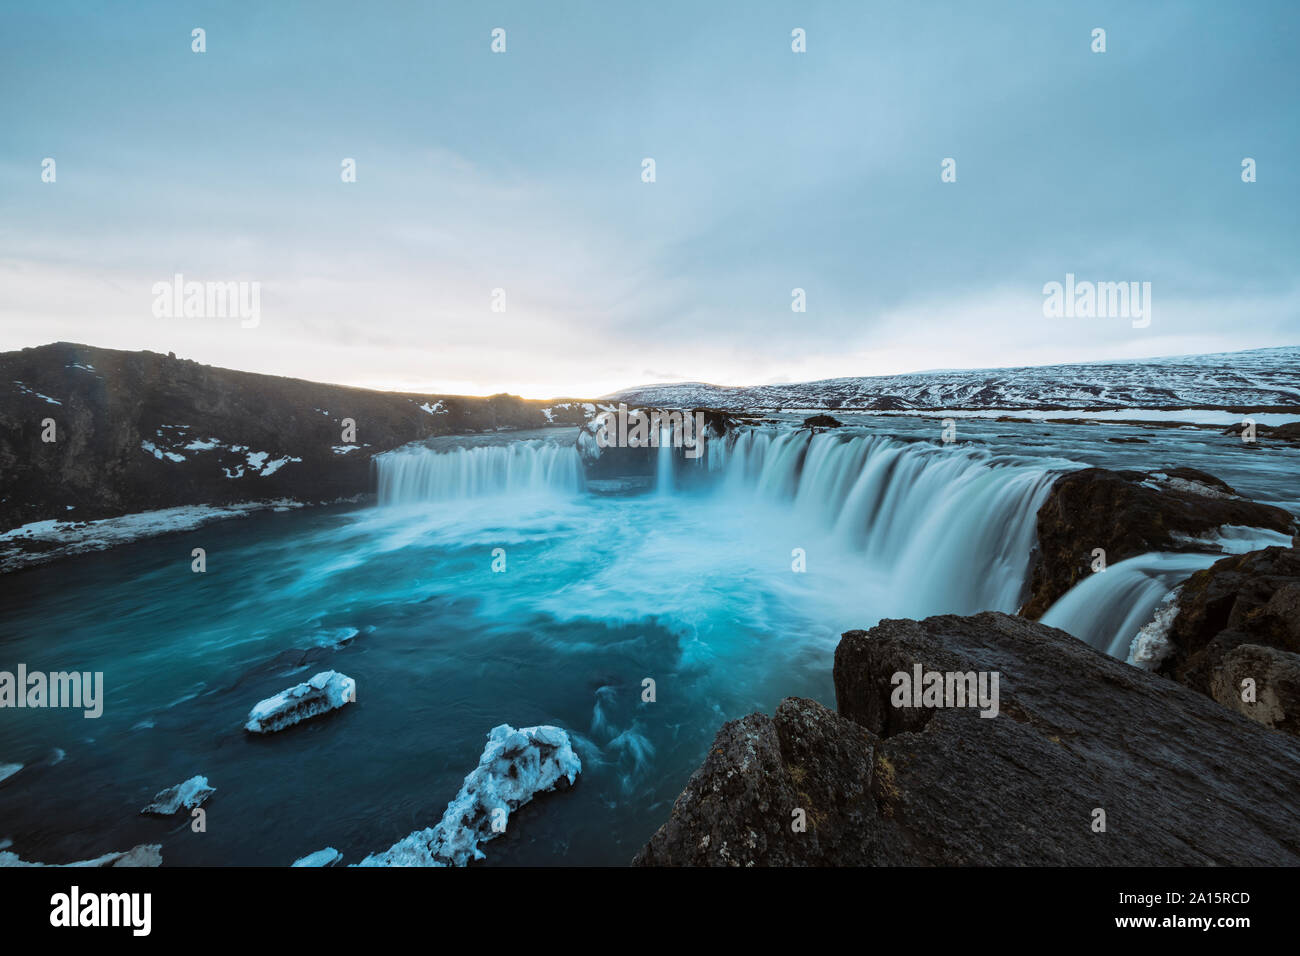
1267,435
816,423
1180,779
138,431
1262,683
1127,513
1239,619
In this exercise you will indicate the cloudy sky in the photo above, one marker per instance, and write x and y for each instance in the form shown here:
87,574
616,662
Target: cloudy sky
522,171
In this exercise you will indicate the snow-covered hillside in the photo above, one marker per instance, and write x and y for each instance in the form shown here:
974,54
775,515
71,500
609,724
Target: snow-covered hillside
1255,379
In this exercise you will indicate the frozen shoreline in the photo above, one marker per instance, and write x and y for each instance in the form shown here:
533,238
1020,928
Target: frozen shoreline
80,537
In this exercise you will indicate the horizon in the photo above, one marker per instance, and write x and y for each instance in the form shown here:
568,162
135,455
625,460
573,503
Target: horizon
648,385
522,173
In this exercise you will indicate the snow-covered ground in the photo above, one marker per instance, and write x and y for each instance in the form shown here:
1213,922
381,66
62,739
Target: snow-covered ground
1259,378
76,537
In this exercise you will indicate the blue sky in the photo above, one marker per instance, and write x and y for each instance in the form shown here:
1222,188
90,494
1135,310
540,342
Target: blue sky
522,171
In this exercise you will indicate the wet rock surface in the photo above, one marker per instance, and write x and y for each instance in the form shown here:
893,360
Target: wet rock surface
1127,513
1246,599
1181,779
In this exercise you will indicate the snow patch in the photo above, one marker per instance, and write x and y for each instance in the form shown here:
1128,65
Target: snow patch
159,453
1235,539
77,537
1162,482
146,854
31,391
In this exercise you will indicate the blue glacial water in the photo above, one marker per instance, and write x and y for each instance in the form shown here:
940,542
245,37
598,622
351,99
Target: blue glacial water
692,587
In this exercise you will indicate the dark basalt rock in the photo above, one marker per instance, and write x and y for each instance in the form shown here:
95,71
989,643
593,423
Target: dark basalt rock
1265,435
1122,513
1274,677
821,421
1249,598
111,402
1182,780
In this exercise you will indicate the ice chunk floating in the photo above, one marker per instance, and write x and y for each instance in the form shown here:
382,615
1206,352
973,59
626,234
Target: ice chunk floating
516,764
326,857
189,795
328,690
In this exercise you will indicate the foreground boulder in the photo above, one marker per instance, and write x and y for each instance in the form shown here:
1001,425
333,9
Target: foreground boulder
1238,620
1180,779
1273,679
515,766
1127,513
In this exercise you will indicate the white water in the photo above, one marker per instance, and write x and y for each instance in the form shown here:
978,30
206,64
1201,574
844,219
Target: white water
414,473
1107,609
664,463
951,526
939,528
889,527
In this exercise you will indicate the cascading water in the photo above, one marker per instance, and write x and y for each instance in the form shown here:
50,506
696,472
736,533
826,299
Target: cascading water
492,589
951,526
937,528
1107,609
664,463
416,473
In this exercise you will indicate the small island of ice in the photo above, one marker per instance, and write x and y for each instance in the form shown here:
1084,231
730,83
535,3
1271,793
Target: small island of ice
189,795
516,764
328,690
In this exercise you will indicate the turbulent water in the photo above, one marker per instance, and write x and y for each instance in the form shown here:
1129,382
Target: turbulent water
488,586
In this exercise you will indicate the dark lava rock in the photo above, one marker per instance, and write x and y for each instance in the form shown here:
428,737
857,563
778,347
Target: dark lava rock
1182,780
111,407
1249,598
1288,434
1274,679
1128,513
821,421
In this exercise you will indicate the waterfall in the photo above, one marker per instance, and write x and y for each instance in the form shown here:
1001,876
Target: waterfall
951,525
664,463
416,473
1107,609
